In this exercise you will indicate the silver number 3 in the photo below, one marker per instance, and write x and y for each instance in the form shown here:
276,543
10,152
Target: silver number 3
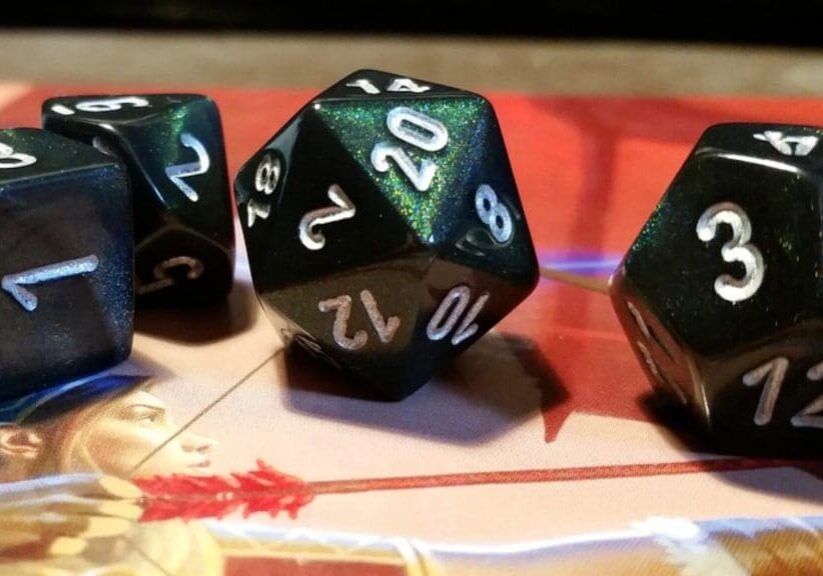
738,249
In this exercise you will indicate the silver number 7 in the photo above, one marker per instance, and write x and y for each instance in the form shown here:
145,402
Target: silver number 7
180,171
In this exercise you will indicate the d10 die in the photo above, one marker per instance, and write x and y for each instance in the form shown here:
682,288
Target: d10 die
173,147
66,257
383,225
722,292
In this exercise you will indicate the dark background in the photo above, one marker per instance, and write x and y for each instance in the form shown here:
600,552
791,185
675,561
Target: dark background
724,21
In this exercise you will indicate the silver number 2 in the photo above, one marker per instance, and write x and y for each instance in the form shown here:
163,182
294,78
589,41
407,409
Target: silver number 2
738,249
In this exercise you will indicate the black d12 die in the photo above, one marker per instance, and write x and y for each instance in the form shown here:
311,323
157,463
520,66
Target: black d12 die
383,225
722,292
66,258
172,145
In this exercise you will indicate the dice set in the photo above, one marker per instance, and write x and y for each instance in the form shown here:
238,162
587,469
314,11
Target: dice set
385,235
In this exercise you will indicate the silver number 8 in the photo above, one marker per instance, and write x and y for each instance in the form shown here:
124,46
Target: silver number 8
738,249
493,213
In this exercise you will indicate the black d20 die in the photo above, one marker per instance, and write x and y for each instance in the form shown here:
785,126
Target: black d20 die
66,258
173,147
721,293
383,224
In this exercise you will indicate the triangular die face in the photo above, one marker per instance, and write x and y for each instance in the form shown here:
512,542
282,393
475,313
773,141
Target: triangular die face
719,201
32,153
415,152
114,108
364,320
485,226
177,161
321,215
374,84
800,146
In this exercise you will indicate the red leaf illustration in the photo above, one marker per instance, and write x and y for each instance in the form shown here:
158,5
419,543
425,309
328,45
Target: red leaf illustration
264,490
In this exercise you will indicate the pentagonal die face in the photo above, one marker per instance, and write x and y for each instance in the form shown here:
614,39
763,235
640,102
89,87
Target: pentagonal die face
724,271
390,178
66,247
172,145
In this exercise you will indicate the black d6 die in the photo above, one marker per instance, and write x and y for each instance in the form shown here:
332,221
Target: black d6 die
383,225
722,292
172,145
66,257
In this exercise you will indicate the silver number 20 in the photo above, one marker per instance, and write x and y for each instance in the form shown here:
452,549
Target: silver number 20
738,249
428,134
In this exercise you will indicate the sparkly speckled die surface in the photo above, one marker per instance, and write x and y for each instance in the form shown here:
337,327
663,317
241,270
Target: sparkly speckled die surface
172,146
383,224
66,260
721,293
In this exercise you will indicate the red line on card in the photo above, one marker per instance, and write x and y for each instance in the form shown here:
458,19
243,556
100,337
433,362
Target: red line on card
546,475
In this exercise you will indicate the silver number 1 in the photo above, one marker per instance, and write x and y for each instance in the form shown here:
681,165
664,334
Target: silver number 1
738,249
771,374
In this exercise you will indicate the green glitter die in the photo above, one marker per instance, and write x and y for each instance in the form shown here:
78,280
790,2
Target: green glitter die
362,124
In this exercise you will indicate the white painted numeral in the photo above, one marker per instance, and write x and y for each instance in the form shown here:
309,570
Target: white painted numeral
61,109
266,178
111,104
420,131
267,175
659,377
407,85
430,134
449,312
385,327
771,375
421,178
738,249
11,159
343,209
812,415
803,145
397,85
342,306
342,312
365,85
201,166
13,283
493,213
162,278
